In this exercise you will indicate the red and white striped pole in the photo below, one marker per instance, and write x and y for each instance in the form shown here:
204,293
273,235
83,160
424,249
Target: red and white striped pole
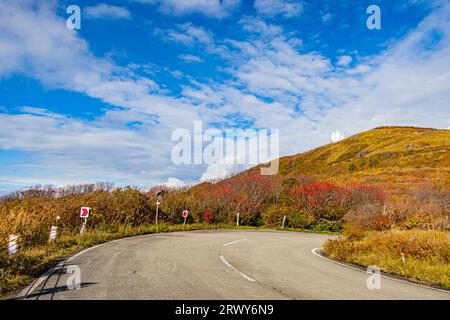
13,245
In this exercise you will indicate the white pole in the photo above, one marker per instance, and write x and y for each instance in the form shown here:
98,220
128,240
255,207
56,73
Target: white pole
157,207
184,223
284,221
83,227
13,245
237,220
53,233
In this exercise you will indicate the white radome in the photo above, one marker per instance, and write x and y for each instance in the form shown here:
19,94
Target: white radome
337,135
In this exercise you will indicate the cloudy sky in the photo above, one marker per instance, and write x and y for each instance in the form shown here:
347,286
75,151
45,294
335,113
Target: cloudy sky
101,103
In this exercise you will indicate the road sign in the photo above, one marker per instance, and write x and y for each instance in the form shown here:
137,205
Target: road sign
185,214
160,194
85,212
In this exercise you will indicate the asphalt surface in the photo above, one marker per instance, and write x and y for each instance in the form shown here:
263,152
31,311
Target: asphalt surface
225,264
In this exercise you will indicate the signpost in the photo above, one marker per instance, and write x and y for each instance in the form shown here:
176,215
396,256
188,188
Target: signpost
85,212
185,214
237,220
83,228
157,208
284,221
13,245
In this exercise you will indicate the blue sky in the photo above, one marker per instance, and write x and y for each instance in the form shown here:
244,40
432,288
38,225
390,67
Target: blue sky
100,103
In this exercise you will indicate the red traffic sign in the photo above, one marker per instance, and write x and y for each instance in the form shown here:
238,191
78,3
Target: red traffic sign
85,212
185,213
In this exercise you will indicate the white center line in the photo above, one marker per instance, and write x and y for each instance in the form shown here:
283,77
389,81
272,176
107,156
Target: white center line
233,242
241,273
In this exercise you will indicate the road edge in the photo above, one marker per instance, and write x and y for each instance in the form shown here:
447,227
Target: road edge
319,252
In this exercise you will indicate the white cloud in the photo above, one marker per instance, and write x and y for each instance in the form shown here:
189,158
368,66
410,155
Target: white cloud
44,49
174,183
190,35
210,8
327,17
219,171
72,150
190,58
195,37
344,60
379,92
284,8
106,12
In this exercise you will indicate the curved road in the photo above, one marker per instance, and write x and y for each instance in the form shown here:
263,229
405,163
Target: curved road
225,264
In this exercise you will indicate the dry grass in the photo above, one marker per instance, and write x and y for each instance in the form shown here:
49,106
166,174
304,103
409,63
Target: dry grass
427,253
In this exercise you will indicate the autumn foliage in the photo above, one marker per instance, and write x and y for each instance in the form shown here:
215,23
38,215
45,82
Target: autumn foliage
259,200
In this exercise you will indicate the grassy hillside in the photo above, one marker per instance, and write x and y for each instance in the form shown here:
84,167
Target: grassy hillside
388,157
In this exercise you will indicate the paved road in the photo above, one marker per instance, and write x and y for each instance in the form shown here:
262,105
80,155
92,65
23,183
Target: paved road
228,264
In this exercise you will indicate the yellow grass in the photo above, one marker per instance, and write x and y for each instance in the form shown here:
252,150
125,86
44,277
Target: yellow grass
427,253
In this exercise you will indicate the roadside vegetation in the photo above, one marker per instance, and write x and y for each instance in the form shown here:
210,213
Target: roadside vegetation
420,255
356,185
409,238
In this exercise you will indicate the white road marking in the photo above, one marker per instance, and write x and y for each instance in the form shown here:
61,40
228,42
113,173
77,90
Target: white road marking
232,267
314,251
29,290
233,242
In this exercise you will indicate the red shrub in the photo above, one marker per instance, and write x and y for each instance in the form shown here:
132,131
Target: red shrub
364,194
207,216
322,200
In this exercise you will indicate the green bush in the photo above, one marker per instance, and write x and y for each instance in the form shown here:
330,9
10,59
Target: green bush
273,215
326,225
300,220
